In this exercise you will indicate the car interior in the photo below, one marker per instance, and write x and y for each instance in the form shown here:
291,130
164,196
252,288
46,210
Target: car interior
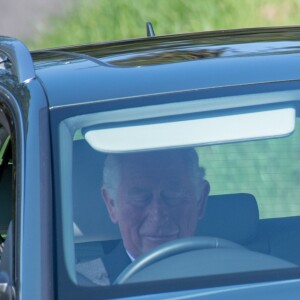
6,199
234,217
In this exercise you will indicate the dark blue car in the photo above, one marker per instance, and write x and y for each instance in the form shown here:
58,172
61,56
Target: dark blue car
166,167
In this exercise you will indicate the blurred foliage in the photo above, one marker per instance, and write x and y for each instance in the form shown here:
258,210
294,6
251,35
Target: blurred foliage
105,20
267,169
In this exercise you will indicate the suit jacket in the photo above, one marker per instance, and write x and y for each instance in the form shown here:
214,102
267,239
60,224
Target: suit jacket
116,261
104,270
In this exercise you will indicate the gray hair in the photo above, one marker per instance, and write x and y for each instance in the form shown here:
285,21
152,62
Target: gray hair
113,163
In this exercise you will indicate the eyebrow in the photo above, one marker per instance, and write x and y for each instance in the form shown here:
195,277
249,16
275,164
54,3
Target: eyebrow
134,190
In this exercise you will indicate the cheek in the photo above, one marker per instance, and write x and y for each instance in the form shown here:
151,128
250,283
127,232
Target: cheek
130,218
186,218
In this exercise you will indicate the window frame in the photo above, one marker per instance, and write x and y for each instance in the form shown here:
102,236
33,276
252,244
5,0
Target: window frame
208,102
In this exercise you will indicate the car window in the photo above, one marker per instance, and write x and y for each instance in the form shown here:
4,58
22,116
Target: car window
193,210
5,160
267,169
6,201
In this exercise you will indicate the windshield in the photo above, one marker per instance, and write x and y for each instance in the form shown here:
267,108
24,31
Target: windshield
183,206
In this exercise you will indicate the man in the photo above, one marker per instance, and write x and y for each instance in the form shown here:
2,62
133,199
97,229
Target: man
154,197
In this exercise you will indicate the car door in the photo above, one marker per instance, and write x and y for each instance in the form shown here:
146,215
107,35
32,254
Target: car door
26,266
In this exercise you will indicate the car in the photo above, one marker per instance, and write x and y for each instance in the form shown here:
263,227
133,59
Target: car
78,122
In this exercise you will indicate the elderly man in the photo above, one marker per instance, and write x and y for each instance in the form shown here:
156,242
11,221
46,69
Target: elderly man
154,197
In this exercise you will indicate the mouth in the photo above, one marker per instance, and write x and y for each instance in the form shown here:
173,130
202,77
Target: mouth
160,238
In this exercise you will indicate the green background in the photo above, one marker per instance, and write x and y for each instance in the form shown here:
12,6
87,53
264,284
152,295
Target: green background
106,20
267,169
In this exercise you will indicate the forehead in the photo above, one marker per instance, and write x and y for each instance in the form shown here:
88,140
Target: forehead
165,164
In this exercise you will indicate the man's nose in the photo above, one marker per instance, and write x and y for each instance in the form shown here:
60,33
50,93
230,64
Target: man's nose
158,210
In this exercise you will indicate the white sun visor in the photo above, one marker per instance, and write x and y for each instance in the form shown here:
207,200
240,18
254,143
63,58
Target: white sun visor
193,132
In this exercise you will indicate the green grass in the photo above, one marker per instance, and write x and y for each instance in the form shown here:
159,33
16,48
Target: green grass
106,20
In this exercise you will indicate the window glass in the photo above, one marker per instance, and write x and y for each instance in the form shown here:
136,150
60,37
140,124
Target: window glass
5,184
157,214
268,169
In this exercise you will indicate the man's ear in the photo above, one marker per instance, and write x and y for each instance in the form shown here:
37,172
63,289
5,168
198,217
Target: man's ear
110,205
205,188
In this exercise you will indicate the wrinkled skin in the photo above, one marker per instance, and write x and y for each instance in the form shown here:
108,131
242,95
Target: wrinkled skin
156,201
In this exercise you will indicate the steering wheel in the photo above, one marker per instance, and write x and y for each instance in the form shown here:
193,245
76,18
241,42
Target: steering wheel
173,248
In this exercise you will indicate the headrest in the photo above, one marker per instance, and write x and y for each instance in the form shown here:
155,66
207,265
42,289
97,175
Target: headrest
90,218
233,216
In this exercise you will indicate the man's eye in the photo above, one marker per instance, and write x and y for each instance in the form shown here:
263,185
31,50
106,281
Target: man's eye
140,199
174,197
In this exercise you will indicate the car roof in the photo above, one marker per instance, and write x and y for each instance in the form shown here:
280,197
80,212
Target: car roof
167,64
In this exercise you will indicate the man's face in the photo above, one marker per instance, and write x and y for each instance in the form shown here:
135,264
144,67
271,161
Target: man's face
157,200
